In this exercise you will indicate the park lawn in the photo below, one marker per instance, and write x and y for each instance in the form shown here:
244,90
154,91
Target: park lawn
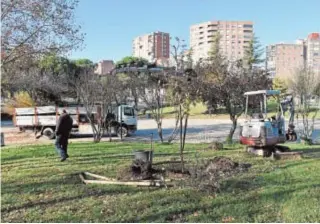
37,187
198,111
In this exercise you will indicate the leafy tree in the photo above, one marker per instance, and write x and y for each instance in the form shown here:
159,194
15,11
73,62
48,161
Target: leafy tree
280,84
253,53
84,62
30,29
225,82
132,61
20,99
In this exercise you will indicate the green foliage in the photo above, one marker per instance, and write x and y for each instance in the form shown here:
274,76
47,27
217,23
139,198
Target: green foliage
54,64
84,63
50,191
280,84
214,53
130,60
253,53
20,99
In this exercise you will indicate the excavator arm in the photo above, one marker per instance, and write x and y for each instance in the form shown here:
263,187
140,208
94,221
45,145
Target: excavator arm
287,104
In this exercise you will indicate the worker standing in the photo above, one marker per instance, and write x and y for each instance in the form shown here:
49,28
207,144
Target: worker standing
63,130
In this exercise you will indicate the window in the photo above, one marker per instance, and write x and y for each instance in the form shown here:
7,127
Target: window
127,111
200,43
201,33
247,31
200,27
247,26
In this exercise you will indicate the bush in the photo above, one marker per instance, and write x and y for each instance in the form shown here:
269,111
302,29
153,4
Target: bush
20,99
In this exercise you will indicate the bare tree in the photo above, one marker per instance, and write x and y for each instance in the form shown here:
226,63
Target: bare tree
96,95
151,90
185,91
182,59
30,29
305,85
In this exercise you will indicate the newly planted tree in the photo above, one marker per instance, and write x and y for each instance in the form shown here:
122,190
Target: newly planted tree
305,86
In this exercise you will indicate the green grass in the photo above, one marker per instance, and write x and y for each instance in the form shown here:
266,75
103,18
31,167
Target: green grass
199,111
37,187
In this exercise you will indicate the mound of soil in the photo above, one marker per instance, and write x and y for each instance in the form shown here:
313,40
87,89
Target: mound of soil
209,175
139,170
215,146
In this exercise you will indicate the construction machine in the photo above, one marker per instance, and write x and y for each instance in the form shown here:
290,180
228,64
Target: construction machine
262,134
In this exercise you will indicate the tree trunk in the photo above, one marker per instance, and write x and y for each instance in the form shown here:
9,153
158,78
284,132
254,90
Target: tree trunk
232,129
159,123
175,130
181,140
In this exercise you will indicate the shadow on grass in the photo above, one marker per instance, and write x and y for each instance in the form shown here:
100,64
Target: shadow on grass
236,207
73,182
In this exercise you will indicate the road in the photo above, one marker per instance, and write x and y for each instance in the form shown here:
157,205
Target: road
199,130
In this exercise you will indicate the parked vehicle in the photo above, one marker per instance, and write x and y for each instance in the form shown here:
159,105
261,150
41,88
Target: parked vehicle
122,119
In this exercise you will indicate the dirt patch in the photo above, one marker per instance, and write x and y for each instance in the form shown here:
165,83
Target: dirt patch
206,175
215,146
138,170
209,175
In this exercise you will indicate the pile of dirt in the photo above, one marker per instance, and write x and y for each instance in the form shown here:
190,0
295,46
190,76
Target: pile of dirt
206,175
138,170
209,175
215,146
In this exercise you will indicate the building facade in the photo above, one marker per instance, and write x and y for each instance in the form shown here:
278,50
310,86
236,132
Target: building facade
313,52
104,67
235,38
153,47
282,60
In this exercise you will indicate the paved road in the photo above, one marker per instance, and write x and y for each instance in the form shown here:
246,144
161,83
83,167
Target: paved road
199,130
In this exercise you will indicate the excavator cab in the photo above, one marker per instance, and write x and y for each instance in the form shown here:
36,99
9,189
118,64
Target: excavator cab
259,130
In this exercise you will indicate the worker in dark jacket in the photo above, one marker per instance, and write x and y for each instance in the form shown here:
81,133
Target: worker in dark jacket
63,130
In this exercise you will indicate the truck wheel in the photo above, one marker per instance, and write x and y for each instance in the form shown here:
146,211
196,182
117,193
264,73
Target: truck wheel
124,132
49,133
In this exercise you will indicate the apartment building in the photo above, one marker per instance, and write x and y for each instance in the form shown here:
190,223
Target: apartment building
313,52
282,60
235,38
154,46
104,67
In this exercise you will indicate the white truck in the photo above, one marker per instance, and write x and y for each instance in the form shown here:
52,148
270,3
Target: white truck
43,119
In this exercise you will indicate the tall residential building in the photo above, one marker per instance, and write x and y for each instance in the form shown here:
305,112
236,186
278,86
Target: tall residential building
313,52
282,60
153,46
235,37
104,67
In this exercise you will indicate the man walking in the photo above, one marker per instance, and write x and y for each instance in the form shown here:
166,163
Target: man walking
63,130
